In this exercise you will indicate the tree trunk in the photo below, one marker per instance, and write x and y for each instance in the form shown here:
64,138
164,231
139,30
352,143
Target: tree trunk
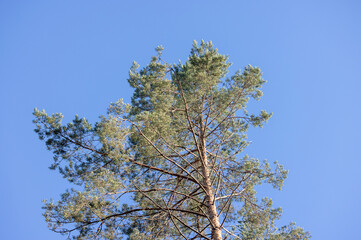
212,209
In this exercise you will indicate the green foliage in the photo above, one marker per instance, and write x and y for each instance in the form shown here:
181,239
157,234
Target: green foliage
168,165
258,222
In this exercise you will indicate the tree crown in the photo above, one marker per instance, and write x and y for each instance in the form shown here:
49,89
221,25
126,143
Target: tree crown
169,165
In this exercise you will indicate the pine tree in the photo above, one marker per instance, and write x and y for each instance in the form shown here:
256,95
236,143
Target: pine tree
169,165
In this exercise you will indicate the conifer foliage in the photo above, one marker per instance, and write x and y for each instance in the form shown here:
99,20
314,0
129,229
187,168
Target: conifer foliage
170,164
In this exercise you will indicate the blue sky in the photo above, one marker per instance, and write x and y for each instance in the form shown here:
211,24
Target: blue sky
73,57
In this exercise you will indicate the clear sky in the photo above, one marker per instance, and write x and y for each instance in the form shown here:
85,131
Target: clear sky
73,57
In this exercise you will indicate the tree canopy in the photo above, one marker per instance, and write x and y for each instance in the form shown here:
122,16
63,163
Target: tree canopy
170,165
